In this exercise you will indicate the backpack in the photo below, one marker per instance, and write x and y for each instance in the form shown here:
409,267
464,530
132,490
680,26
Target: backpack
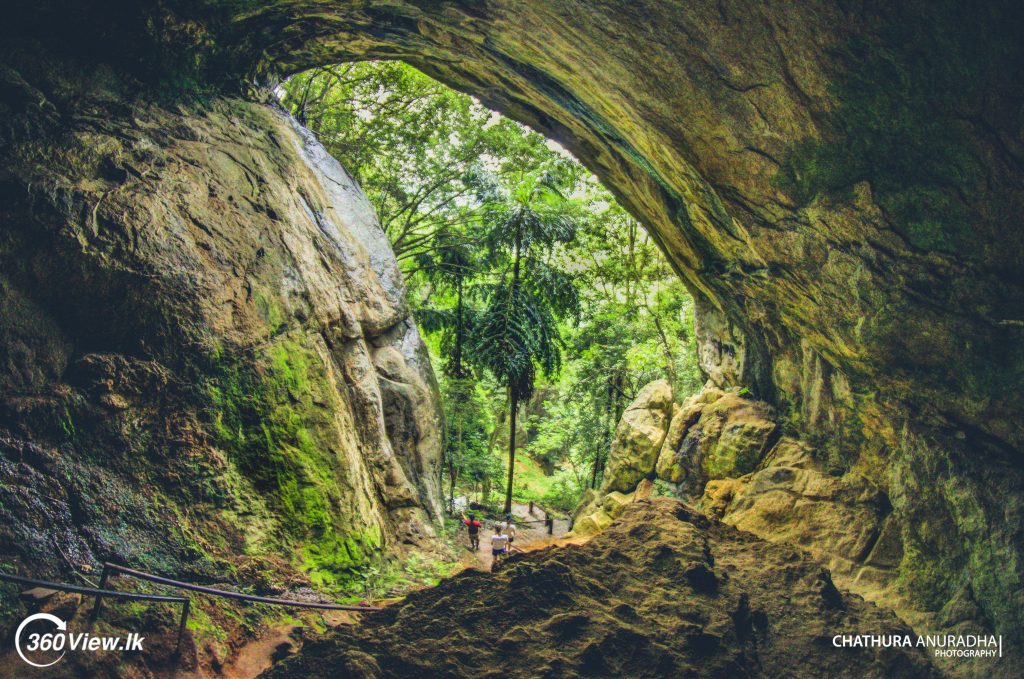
474,527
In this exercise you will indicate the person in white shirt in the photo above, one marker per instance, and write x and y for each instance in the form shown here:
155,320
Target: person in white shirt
508,528
499,544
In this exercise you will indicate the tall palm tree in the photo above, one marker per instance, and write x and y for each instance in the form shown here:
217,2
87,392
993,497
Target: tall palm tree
517,332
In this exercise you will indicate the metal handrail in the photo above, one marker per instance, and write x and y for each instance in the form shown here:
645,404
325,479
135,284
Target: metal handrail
93,591
100,592
110,567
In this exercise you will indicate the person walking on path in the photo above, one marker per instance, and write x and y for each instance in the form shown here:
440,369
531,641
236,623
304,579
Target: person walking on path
499,544
473,528
509,529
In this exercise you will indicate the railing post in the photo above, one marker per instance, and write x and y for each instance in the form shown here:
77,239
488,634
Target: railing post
99,597
531,507
181,627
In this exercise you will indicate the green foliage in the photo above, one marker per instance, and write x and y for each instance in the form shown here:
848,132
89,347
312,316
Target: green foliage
514,332
468,459
518,331
396,577
521,269
564,493
427,156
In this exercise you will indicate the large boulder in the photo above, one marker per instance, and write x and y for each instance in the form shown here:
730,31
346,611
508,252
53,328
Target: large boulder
792,499
638,438
843,521
205,338
715,435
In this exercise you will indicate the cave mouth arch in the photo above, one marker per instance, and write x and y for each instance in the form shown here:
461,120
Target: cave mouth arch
849,320
441,170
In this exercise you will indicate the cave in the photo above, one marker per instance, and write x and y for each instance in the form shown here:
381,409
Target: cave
836,183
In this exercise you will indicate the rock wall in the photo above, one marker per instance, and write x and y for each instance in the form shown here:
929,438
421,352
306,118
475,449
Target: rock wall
727,455
838,183
207,366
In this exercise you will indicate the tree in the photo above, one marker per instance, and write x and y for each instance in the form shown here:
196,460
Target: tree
423,153
451,267
518,330
447,177
467,453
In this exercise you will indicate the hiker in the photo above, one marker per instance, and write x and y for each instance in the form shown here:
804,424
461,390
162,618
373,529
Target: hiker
473,528
499,544
509,529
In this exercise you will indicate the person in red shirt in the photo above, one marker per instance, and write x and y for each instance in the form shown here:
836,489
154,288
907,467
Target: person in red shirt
473,527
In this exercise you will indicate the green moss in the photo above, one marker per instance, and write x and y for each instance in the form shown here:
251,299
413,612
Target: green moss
67,426
270,311
333,559
274,414
925,574
12,608
202,625
730,462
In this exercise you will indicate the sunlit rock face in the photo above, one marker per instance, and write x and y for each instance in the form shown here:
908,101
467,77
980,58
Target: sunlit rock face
838,184
723,453
207,355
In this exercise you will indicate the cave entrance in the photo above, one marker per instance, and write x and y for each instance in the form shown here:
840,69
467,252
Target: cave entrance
546,307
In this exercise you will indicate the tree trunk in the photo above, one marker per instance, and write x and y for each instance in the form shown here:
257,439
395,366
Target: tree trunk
457,356
670,360
513,403
606,444
451,490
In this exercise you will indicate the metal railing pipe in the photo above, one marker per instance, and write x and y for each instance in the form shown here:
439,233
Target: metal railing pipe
212,591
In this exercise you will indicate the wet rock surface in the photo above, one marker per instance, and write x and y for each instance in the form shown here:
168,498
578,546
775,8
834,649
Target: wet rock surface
663,592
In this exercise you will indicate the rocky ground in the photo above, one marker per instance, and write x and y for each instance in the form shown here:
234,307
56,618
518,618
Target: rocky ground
664,591
728,455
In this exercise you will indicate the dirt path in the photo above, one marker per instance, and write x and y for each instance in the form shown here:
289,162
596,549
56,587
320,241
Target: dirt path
256,656
530,533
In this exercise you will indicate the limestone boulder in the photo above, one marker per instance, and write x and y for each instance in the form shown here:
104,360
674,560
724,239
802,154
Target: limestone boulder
614,502
733,434
592,523
671,466
639,437
715,435
841,520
